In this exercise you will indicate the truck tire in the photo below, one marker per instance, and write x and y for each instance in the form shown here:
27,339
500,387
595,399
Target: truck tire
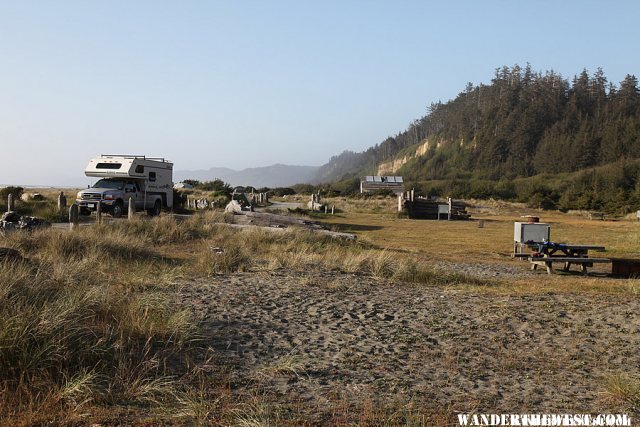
157,207
117,209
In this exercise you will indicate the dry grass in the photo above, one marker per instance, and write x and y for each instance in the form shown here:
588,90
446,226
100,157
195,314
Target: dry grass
73,334
464,238
623,390
231,250
46,208
90,320
464,242
369,205
288,365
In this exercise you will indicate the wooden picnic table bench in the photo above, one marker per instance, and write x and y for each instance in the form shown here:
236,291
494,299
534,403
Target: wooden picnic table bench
547,262
548,252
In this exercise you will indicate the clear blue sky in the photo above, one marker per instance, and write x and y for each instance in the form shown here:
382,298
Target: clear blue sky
251,83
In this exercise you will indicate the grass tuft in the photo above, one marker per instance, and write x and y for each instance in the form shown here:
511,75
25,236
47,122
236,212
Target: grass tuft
623,390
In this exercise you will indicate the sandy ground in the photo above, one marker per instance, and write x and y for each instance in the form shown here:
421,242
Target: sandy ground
323,336
520,269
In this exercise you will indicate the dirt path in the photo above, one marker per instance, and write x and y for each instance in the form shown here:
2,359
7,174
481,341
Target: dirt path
324,337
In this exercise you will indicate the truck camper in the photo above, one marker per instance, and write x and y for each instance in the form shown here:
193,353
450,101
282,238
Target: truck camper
146,180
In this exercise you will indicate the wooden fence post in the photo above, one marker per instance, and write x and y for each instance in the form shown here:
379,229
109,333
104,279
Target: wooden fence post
450,204
132,209
10,203
62,202
99,213
74,217
326,208
332,208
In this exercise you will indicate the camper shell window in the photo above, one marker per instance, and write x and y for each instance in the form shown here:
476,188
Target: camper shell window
152,176
140,169
108,165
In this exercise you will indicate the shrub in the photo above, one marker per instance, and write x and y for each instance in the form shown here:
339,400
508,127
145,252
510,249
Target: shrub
16,191
541,201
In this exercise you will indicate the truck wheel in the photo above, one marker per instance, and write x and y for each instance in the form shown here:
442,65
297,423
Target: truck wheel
117,209
157,207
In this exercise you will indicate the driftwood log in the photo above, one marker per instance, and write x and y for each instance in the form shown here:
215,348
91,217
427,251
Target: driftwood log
334,234
13,221
275,222
233,207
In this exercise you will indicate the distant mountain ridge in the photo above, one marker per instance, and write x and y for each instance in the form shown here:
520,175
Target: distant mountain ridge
278,175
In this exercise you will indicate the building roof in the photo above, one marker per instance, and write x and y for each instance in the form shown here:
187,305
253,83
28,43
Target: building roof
382,179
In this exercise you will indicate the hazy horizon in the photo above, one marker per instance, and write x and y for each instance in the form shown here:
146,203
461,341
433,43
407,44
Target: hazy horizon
250,84
82,181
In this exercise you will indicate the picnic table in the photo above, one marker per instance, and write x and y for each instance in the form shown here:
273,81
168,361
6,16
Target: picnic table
546,253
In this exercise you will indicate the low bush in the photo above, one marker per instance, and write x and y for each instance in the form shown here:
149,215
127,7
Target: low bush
15,191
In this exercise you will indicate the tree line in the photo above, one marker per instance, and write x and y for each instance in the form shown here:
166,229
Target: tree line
523,124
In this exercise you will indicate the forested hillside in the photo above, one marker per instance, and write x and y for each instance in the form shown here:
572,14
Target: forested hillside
521,125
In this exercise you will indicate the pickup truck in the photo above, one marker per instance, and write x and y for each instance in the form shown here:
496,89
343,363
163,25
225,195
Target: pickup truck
113,195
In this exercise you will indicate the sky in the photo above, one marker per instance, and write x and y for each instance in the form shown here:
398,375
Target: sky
251,83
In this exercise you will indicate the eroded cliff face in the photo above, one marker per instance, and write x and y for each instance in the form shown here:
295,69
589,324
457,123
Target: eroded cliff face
390,167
